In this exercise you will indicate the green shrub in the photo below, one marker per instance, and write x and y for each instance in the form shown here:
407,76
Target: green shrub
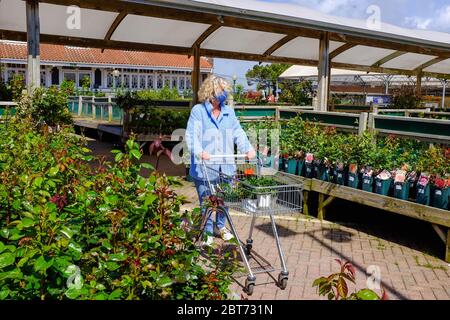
46,107
71,230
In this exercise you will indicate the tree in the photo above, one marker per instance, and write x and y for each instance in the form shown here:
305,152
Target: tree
265,75
298,93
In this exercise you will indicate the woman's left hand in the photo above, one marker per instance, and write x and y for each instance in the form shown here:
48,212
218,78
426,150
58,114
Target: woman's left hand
251,155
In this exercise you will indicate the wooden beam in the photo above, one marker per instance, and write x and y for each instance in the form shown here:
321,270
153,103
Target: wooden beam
33,46
114,25
123,45
324,73
439,232
430,63
388,58
255,57
279,44
341,49
204,36
196,75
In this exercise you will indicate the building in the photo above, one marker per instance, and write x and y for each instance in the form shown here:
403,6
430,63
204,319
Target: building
136,69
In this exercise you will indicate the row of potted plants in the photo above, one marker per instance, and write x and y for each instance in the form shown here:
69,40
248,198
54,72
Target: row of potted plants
402,168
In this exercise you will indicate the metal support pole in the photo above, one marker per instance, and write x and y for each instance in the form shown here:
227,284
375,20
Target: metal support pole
33,43
324,72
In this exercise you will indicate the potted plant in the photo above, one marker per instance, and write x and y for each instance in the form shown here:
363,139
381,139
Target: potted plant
441,193
260,191
367,178
383,183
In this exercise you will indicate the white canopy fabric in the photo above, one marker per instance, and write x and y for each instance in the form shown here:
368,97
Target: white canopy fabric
341,75
235,29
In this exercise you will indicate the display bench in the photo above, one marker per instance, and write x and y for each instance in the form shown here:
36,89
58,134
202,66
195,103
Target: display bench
327,192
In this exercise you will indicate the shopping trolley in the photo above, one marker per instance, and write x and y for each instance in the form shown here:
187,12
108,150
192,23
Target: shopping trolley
228,178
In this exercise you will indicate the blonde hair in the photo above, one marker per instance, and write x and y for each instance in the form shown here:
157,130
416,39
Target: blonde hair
213,86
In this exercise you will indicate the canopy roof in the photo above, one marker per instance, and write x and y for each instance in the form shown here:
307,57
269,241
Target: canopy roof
341,75
235,29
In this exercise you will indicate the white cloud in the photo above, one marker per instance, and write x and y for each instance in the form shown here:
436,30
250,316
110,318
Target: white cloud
440,22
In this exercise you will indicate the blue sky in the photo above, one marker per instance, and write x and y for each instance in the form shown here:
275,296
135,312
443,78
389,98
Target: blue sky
414,14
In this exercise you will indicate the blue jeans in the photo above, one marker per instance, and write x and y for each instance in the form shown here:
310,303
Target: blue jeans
203,191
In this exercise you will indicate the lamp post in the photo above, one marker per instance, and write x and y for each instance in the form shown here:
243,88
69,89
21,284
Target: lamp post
234,84
116,74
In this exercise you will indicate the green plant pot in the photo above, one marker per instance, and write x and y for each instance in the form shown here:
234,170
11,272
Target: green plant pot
282,164
367,183
440,198
423,194
292,165
309,170
382,186
339,177
300,168
322,172
401,190
353,180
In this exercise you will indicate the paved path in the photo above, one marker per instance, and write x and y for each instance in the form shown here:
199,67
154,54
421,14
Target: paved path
311,248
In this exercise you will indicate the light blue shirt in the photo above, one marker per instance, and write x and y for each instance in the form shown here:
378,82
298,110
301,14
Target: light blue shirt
216,136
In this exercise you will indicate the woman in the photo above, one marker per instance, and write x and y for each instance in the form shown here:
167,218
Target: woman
213,129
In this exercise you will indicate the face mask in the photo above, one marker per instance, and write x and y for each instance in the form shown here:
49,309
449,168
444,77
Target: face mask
222,97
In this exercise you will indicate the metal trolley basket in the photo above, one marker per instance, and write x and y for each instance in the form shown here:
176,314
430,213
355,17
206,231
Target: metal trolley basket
275,196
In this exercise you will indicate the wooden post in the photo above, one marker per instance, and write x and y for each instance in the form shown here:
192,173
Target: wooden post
324,72
419,85
447,247
363,118
110,109
33,43
80,105
444,87
94,111
196,75
305,202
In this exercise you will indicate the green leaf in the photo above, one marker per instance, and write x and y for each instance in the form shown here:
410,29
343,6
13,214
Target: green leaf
27,222
164,282
13,274
342,288
147,166
2,247
149,199
115,295
73,293
4,294
41,264
367,294
112,266
7,259
38,182
136,153
118,157
117,257
53,171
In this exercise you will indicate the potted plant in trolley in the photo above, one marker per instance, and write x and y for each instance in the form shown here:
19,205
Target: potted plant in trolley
261,191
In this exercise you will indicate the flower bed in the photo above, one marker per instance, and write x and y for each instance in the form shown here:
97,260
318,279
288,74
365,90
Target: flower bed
402,168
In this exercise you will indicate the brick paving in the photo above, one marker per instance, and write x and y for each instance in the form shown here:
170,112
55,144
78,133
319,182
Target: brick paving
311,246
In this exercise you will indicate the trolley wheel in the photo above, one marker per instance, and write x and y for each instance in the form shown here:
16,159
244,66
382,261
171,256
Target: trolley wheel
249,286
249,247
282,281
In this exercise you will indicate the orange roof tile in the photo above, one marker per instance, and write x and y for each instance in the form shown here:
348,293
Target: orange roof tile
61,53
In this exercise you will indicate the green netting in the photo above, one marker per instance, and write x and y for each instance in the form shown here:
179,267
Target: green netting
410,126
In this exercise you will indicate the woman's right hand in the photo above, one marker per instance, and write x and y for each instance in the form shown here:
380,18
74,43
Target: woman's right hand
205,156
